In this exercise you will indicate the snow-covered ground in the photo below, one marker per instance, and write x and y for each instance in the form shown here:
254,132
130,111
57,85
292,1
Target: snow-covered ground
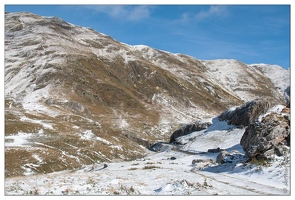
171,172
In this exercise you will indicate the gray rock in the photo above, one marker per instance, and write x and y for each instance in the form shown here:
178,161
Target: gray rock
222,157
161,147
268,137
187,129
232,157
246,113
217,150
287,96
199,164
195,161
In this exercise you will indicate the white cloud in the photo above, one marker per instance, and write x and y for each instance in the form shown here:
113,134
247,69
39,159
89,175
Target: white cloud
129,13
185,17
212,12
139,12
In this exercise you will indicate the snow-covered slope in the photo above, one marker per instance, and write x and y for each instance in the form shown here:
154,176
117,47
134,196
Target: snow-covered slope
75,96
190,170
246,81
279,77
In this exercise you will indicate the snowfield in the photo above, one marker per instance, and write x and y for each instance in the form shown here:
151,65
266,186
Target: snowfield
186,169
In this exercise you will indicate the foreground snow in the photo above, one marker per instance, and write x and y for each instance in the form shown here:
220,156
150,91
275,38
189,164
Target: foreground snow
168,173
156,175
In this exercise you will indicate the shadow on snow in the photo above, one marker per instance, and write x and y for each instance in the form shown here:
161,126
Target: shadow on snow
230,164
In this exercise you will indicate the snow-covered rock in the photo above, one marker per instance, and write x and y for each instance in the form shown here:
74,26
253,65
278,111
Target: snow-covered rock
270,136
246,113
187,129
229,157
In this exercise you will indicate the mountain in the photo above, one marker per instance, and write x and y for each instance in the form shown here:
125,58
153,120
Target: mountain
75,97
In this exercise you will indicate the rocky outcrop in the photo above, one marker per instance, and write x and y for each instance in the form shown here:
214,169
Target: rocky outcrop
268,137
246,113
187,129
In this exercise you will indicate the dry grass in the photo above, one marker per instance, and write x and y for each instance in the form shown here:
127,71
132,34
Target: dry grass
62,148
150,167
133,168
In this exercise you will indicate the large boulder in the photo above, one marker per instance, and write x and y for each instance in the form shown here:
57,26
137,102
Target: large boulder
247,113
187,129
268,137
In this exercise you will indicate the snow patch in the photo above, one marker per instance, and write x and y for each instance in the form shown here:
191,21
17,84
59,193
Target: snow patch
89,135
103,140
18,140
41,122
274,109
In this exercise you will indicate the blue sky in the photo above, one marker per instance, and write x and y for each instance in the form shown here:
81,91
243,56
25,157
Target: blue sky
248,33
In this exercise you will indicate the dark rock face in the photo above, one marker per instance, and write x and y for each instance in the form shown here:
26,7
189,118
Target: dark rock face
287,96
187,129
246,113
271,136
